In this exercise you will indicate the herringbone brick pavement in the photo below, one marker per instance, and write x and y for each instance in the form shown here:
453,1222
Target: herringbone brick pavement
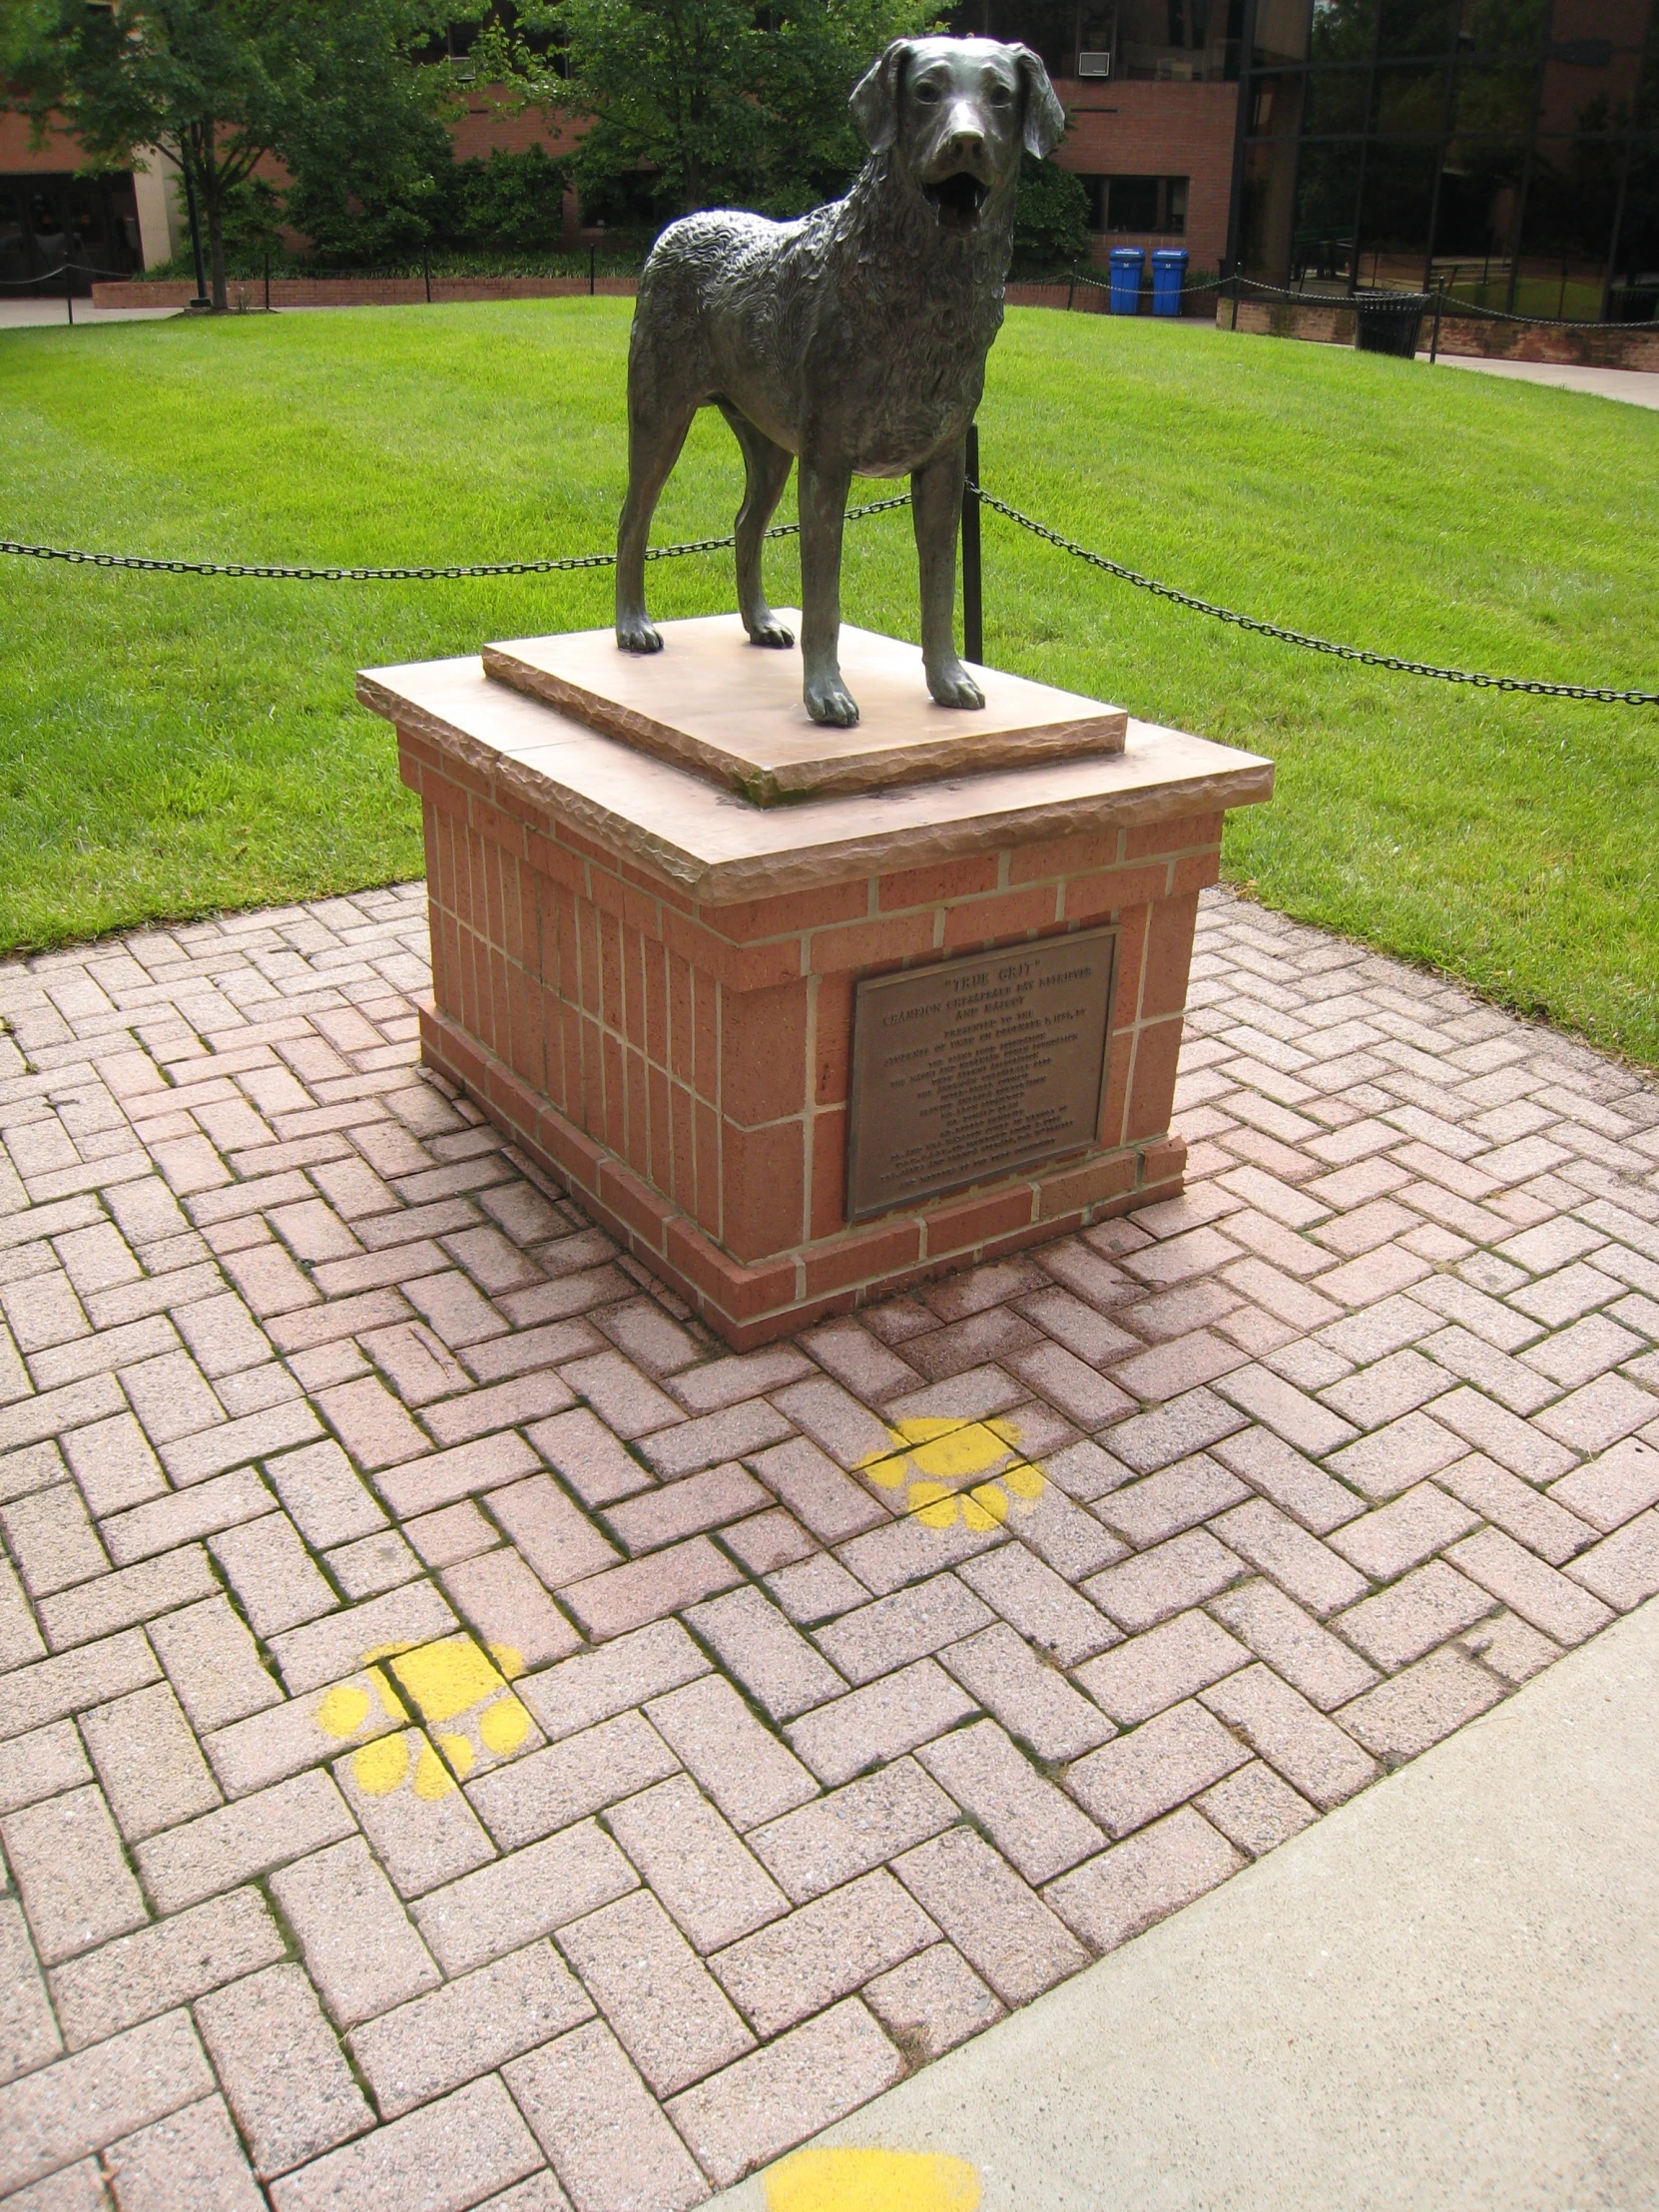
465,1738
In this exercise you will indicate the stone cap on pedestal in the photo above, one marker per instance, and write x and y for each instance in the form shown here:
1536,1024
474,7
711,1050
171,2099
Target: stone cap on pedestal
732,712
719,850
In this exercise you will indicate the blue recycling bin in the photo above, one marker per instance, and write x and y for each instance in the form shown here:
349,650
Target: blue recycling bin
1127,264
1169,273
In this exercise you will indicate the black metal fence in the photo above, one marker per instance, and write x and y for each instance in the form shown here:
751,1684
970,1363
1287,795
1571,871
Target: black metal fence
1440,305
62,277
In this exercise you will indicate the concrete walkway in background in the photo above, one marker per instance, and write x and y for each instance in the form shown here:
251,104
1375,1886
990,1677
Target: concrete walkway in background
23,314
1447,1994
1638,387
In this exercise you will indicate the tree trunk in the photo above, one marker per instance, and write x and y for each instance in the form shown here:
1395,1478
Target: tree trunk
213,195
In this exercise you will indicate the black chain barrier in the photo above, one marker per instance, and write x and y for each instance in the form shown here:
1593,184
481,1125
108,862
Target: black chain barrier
1392,661
65,269
1450,303
553,566
1600,694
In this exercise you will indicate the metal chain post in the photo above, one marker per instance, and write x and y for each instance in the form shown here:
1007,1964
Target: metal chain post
973,610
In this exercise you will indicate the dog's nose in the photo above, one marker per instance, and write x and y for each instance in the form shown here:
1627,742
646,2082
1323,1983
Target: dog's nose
965,132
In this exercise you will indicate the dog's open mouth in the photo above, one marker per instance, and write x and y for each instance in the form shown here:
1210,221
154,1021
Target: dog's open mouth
956,200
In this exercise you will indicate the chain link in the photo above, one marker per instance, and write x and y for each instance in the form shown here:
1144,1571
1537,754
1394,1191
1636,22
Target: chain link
1452,307
571,561
550,567
64,269
1300,638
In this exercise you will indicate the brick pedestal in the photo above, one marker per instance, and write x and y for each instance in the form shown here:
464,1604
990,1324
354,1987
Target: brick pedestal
656,998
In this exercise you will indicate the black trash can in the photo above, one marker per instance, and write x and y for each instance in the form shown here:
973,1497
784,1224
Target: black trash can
1389,321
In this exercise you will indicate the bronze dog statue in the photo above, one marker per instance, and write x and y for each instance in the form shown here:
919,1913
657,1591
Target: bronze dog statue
855,338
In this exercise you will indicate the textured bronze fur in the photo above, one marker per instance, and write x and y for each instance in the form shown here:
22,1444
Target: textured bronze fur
855,338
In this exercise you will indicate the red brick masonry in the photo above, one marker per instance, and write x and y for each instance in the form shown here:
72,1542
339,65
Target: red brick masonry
683,1068
1331,322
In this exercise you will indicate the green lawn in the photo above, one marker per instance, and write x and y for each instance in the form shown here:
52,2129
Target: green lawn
170,746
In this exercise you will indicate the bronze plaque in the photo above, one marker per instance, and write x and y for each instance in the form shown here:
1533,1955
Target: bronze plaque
975,1067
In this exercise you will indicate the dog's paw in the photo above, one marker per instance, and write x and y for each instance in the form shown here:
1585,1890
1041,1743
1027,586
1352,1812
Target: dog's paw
832,703
955,687
769,630
635,634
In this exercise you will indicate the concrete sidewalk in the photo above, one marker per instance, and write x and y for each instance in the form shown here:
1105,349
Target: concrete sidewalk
1447,1994
1639,388
28,314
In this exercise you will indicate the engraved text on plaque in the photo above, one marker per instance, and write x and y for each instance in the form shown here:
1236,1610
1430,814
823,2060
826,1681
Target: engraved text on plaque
975,1067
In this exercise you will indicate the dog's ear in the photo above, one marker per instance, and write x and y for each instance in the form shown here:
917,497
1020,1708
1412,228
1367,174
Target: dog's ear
874,101
1045,119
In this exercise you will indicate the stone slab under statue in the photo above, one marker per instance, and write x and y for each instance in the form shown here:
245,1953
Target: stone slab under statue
797,1057
736,717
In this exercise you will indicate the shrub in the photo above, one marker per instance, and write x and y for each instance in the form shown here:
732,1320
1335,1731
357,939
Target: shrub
1051,221
510,204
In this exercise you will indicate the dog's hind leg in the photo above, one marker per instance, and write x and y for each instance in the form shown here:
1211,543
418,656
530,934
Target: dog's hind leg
766,472
656,432
936,508
822,503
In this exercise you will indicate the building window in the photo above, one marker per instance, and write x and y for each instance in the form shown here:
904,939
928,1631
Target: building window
1144,206
1164,41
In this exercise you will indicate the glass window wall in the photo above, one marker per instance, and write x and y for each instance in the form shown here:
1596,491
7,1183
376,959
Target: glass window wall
1508,148
47,219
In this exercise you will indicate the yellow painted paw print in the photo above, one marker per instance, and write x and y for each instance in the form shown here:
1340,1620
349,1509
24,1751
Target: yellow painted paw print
950,1471
461,1695
872,2181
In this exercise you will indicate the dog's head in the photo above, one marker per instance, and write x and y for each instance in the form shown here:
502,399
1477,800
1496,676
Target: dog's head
958,111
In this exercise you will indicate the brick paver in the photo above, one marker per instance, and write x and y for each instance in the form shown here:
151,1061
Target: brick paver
464,1735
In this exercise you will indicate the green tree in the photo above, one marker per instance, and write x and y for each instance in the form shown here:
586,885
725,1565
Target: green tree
1051,217
332,88
717,102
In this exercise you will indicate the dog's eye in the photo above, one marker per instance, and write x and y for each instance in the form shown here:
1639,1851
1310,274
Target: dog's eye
1000,97
926,96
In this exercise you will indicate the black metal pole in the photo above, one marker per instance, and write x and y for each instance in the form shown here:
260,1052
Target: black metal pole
267,279
69,291
426,271
200,299
973,610
1434,341
1071,289
593,264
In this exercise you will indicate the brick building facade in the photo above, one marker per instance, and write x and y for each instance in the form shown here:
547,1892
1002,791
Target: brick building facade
1171,134
1153,137
1508,144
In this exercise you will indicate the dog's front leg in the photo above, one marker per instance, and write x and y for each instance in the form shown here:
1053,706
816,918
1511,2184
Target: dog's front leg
936,510
824,493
